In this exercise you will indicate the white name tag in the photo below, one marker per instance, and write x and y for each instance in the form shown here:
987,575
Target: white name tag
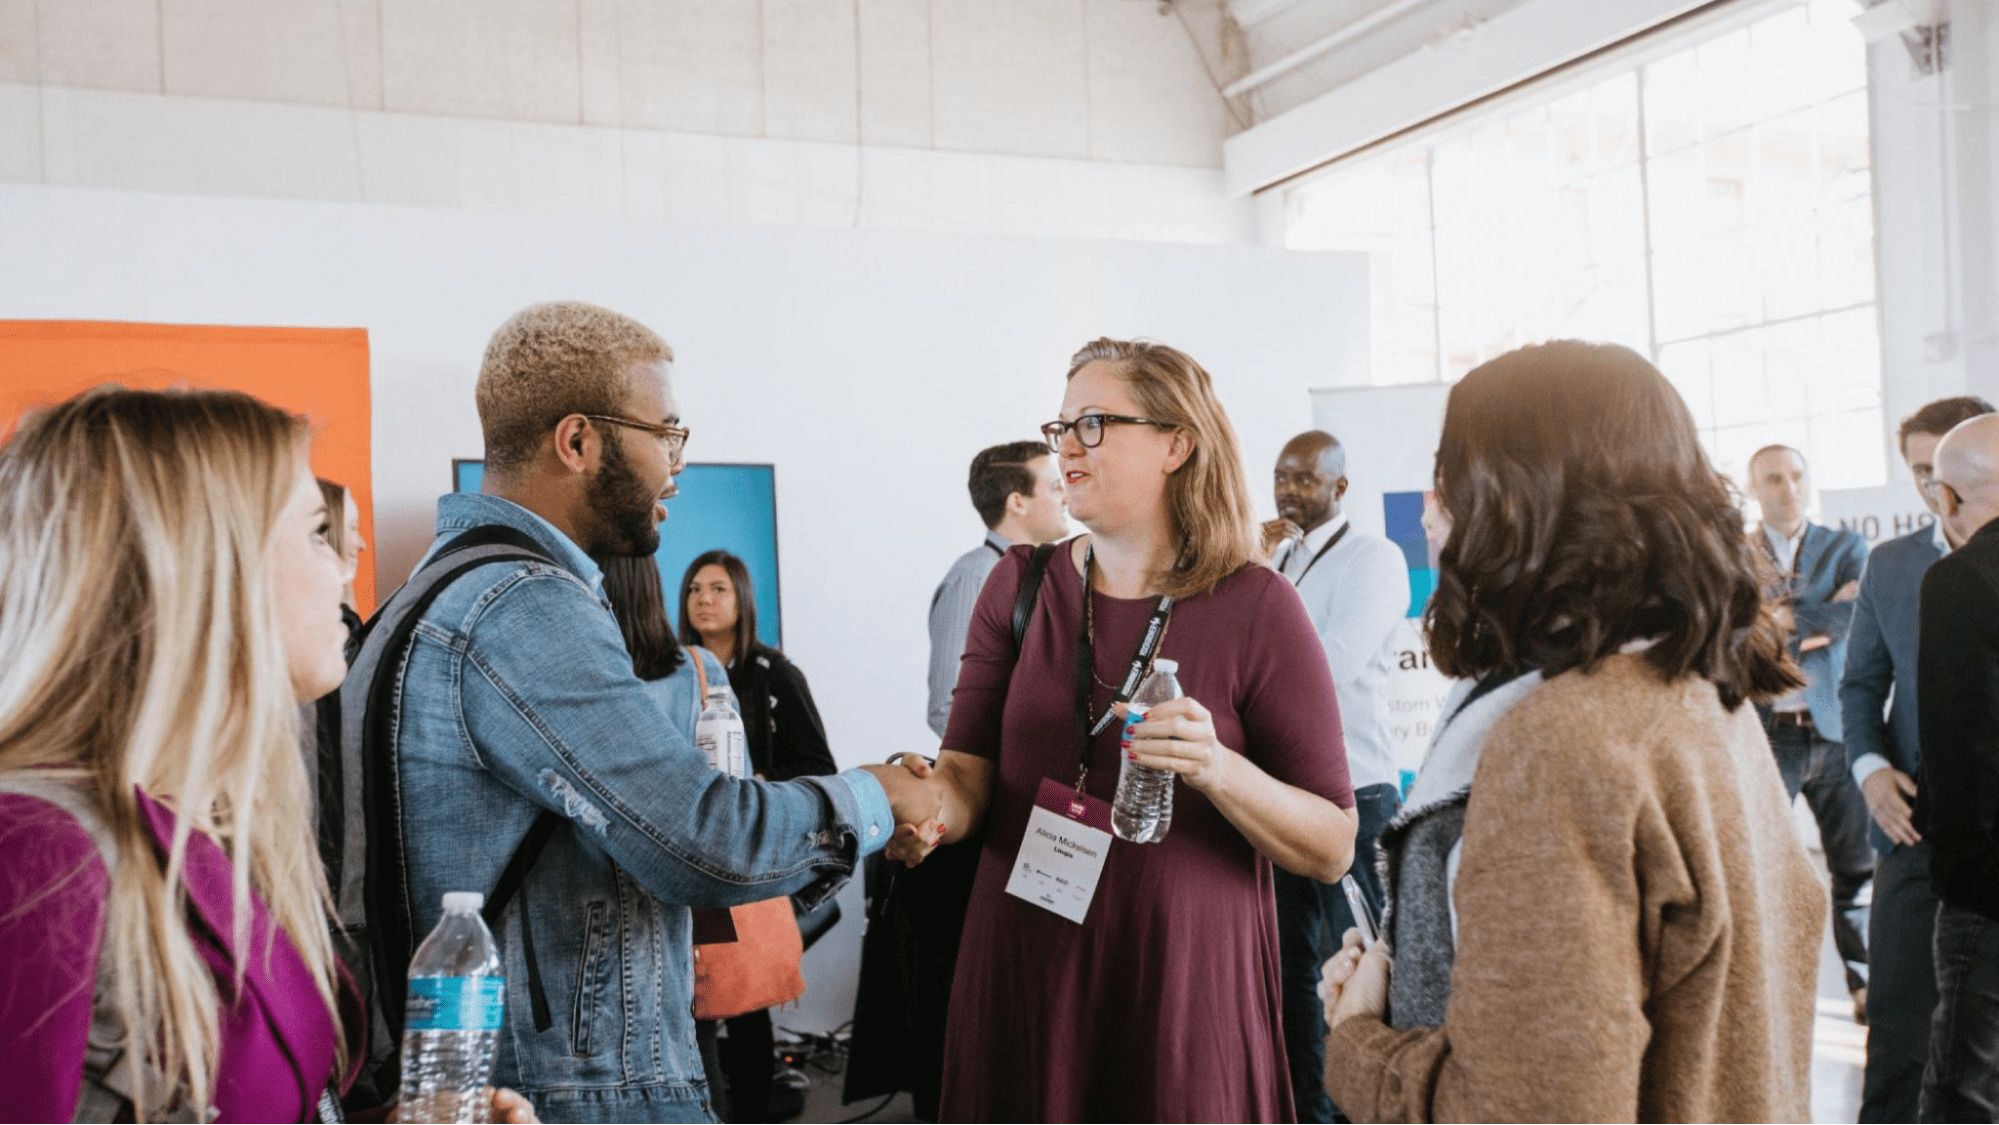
1062,856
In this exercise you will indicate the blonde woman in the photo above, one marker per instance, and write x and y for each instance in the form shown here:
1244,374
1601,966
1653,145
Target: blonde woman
1162,1003
168,598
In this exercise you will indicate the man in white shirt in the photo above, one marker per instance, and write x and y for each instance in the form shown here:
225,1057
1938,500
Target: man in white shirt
1355,586
1018,492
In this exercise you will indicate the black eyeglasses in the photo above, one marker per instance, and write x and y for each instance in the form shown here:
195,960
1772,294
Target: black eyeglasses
1933,486
676,436
1090,428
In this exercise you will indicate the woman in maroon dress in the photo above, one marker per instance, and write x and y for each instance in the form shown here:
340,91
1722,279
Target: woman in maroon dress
1162,1003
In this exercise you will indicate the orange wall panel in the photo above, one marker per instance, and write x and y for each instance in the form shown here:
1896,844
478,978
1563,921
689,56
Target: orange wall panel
321,373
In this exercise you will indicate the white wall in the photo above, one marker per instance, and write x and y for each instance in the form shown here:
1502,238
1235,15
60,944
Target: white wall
1112,80
1936,176
867,365
643,178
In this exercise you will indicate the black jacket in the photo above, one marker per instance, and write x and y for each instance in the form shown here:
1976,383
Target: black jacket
780,722
1957,685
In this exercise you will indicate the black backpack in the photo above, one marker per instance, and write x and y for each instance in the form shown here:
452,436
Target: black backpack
373,912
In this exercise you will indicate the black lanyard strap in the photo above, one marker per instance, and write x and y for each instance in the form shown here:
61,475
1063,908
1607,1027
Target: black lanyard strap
1330,544
1086,666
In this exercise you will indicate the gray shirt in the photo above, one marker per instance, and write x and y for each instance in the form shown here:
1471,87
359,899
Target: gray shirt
951,621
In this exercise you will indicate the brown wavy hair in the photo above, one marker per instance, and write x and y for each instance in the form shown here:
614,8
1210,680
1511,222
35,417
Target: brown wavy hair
1584,515
1208,496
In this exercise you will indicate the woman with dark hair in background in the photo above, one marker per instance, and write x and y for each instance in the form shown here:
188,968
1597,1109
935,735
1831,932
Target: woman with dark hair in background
632,585
1598,908
785,738
718,610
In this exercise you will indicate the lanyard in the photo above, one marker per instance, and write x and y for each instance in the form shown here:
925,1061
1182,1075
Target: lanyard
1086,666
1330,544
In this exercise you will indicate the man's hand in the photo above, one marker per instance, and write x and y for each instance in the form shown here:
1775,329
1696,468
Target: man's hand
1277,532
1890,794
915,798
1848,592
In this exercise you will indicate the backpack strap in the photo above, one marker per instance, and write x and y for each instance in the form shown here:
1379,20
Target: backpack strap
1030,592
373,899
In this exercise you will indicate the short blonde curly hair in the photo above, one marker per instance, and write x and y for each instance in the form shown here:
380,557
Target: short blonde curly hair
550,361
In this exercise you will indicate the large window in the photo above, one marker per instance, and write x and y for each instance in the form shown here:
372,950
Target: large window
1710,208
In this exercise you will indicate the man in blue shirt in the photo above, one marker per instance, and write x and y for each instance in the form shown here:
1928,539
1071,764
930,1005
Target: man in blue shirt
1877,697
517,698
1818,577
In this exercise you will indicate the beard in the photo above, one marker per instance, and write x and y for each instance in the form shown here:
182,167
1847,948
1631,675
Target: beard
623,507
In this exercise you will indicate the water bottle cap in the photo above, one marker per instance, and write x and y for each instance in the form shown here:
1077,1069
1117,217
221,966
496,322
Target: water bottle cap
463,902
1167,666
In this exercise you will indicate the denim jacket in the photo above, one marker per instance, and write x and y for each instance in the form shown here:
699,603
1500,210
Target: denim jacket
518,696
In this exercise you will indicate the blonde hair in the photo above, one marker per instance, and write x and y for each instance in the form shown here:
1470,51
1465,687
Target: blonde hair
550,361
140,648
1207,498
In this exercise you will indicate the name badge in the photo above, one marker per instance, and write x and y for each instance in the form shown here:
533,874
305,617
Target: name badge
1062,856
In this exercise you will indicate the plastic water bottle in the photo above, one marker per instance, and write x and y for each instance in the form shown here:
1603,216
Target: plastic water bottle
719,733
451,1028
1143,810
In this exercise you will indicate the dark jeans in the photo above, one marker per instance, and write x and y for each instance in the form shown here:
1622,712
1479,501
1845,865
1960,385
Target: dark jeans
1818,767
1311,919
1902,983
1962,1081
739,1067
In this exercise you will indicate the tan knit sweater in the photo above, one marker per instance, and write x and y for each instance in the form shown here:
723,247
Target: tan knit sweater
1638,926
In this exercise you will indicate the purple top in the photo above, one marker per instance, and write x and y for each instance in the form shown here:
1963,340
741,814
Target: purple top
1170,985
277,1039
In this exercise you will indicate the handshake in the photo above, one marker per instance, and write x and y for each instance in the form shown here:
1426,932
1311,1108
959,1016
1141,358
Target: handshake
916,795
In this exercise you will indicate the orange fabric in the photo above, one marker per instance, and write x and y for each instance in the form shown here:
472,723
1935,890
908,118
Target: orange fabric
759,970
321,373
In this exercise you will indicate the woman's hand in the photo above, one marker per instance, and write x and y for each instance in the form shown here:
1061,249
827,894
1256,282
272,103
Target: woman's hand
912,842
508,1107
1179,735
1355,982
513,1109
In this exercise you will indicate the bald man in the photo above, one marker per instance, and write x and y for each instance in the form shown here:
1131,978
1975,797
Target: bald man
1355,586
1957,790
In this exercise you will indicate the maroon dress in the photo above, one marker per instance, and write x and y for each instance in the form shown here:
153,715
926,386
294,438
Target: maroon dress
1164,1004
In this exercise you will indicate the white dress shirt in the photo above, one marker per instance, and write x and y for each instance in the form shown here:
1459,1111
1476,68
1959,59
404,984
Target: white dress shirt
1354,594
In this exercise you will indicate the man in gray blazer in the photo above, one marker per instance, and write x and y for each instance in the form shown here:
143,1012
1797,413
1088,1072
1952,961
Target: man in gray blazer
1877,700
1816,580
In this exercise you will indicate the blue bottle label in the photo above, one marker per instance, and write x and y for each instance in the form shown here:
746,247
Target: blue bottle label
456,1004
1134,715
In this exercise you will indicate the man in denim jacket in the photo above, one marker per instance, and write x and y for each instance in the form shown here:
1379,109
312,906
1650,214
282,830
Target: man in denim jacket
518,696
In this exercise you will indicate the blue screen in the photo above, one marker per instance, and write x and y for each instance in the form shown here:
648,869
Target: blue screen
733,507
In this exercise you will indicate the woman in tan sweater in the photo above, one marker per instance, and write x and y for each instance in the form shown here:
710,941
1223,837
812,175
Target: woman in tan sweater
1599,911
